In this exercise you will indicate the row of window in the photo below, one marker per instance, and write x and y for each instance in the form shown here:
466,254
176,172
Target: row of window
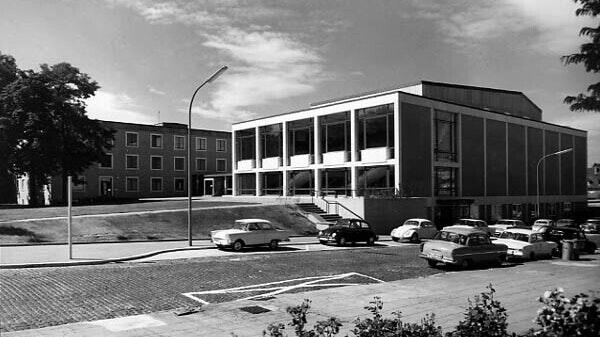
156,142
132,184
156,163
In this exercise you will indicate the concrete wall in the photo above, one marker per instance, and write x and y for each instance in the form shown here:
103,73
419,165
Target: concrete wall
473,163
551,176
566,165
416,150
535,150
496,157
517,183
386,214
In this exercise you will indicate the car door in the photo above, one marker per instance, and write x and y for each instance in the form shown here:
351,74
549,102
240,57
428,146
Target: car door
253,237
427,230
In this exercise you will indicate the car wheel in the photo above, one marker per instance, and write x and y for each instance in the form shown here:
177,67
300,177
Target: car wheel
500,260
371,240
274,244
532,256
414,238
432,263
341,241
395,239
238,245
465,264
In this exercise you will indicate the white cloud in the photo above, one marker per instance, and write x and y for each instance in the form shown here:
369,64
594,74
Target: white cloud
156,91
551,24
116,107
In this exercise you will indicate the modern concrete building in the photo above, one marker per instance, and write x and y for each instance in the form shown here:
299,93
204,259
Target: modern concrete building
464,151
149,161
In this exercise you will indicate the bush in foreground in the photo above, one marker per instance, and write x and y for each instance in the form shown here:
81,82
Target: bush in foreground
485,317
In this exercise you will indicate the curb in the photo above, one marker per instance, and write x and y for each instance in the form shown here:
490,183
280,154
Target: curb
115,260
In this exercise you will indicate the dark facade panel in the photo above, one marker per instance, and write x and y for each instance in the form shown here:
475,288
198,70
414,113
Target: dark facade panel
496,157
580,165
551,173
416,150
473,165
566,165
535,150
516,160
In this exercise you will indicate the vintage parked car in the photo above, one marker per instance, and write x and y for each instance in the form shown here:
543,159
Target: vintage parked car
474,223
249,232
557,234
503,224
591,226
346,231
566,223
462,246
414,230
525,244
541,223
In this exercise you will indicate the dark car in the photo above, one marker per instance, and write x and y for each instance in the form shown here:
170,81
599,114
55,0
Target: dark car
346,231
566,223
591,226
557,234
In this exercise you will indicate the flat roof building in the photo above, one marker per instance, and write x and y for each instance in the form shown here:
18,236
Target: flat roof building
466,151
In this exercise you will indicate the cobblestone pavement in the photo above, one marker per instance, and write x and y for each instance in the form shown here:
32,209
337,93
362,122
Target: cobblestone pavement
33,298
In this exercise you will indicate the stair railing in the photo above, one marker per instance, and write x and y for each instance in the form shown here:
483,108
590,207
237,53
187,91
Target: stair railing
337,208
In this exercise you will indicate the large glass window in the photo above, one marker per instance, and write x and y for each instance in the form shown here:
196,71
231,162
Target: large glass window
131,161
271,140
221,145
221,165
131,139
376,126
246,184
300,137
445,136
335,132
156,141
156,184
179,142
336,182
179,163
301,182
200,144
445,181
131,184
376,181
156,162
245,145
272,183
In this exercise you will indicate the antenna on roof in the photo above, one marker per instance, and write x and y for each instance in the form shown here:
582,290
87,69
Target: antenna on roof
158,121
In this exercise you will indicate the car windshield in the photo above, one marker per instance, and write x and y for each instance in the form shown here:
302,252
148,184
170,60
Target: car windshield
472,223
452,237
515,236
564,222
411,223
343,223
504,222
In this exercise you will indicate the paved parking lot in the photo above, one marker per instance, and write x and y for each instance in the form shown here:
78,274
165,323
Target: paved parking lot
32,298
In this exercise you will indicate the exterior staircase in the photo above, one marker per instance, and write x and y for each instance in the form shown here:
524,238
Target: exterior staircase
312,208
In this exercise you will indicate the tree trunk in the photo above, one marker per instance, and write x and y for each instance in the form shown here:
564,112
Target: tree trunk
33,190
64,186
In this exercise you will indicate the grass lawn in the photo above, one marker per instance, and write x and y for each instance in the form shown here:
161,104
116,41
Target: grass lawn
152,226
19,213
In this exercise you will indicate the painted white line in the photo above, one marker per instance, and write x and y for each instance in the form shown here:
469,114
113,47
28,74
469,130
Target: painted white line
128,323
278,287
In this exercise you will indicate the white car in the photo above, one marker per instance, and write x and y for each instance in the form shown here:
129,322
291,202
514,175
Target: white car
474,223
503,224
414,230
527,244
249,232
542,223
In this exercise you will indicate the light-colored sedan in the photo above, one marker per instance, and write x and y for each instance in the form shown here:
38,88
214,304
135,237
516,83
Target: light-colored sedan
249,232
474,223
414,230
526,244
540,224
462,246
503,224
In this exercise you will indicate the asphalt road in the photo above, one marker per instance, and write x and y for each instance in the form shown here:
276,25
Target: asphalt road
34,298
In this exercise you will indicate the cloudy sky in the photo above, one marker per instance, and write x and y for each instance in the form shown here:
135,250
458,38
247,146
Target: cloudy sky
148,56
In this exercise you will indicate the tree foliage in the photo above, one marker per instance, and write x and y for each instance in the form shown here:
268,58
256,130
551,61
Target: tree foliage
589,55
45,125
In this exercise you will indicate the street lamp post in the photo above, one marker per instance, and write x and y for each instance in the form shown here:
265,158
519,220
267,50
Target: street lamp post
537,177
189,150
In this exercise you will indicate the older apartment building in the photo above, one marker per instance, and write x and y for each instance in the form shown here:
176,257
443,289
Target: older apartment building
464,151
149,161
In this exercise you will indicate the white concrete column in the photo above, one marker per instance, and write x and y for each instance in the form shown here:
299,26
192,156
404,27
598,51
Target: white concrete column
258,179
257,142
233,165
353,137
317,177
353,179
285,159
317,141
397,146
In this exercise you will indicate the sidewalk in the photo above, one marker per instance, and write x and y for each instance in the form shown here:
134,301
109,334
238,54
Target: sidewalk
94,253
445,294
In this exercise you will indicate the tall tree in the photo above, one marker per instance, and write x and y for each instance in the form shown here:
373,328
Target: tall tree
8,73
48,131
589,55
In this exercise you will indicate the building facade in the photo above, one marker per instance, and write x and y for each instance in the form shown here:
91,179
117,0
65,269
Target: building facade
150,161
467,151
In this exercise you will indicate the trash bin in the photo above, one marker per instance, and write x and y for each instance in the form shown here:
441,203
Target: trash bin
569,252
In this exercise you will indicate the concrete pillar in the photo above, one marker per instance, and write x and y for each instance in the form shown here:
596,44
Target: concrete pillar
317,177
284,143
353,179
353,151
233,165
317,140
258,160
258,179
284,181
397,146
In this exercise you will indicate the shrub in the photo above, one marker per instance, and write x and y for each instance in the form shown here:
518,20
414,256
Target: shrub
561,316
485,317
327,328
